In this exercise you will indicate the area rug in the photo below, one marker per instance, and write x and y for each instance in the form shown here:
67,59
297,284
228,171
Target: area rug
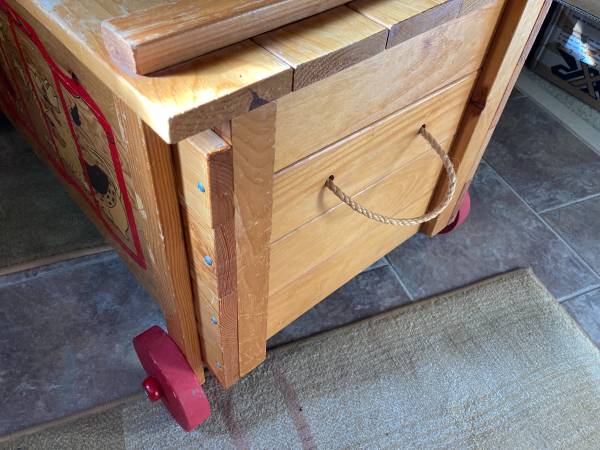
499,364
38,219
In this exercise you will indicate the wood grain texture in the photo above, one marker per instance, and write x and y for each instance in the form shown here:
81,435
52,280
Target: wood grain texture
176,103
299,194
253,137
324,112
168,274
203,163
471,5
216,87
149,40
147,168
208,216
325,44
406,19
512,41
304,292
308,246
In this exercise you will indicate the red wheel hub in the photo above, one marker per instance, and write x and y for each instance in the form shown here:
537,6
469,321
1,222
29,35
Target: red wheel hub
152,389
171,379
461,216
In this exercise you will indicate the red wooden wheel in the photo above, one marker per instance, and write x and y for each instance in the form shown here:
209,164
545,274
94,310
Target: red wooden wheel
170,378
461,216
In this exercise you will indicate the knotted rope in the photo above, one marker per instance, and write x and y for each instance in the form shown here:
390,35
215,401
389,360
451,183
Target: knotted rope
415,220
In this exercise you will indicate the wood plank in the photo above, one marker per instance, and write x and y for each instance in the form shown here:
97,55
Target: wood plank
471,5
176,103
149,40
208,216
304,292
215,87
310,245
203,163
253,137
512,41
361,159
406,19
324,112
168,273
325,44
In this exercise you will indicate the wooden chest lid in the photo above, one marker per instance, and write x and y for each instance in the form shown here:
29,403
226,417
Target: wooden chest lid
184,99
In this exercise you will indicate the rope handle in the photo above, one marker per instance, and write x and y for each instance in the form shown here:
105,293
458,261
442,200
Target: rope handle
451,173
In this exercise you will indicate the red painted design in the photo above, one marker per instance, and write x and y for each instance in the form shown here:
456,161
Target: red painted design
62,82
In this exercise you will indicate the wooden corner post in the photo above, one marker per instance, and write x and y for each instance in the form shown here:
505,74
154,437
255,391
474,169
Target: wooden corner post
253,139
167,275
514,37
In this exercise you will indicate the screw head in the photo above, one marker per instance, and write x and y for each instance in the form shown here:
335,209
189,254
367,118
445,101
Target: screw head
200,187
219,365
213,320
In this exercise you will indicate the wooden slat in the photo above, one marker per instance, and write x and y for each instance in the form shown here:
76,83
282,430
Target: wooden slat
215,88
167,277
513,39
208,215
361,159
179,102
324,112
149,40
302,293
406,19
324,44
311,244
202,162
253,137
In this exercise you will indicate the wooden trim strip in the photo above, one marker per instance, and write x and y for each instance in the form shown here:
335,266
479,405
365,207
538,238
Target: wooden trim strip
253,136
325,44
515,34
204,168
167,276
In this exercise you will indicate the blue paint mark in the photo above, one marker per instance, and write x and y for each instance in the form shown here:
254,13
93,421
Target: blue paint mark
208,261
201,187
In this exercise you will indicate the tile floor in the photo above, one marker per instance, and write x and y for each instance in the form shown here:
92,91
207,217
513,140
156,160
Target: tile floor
536,202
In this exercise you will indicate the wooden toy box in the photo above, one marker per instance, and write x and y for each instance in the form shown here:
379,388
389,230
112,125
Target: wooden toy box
209,176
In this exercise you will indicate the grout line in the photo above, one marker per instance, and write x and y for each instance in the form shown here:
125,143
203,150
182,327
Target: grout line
370,268
571,203
575,124
65,420
55,268
49,260
397,275
546,224
583,291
